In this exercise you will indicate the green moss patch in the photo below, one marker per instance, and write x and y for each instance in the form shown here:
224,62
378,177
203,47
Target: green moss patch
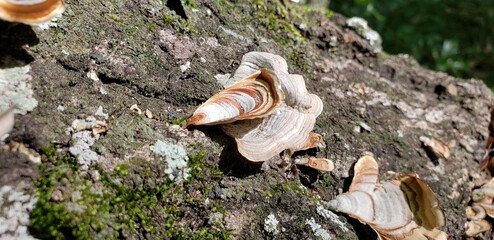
135,200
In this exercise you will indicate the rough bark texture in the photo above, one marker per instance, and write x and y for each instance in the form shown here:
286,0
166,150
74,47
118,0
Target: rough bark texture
163,56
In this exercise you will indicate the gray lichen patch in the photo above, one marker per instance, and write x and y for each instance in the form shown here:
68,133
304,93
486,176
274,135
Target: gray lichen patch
84,134
176,159
15,207
17,200
15,90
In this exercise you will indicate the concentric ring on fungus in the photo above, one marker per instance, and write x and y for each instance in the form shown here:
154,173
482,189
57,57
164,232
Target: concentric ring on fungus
255,96
402,208
30,11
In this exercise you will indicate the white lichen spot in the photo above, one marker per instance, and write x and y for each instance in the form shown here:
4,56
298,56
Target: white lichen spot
84,134
365,126
99,113
379,97
148,114
185,67
271,224
14,213
136,109
75,207
362,28
176,158
400,133
435,116
409,111
81,148
50,24
333,41
236,35
212,42
215,219
103,91
317,229
92,75
331,217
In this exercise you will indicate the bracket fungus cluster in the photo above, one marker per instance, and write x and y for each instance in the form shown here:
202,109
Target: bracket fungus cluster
30,11
267,111
481,207
402,208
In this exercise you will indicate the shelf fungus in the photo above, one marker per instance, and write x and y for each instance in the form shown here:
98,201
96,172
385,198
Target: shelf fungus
30,11
481,207
267,111
402,208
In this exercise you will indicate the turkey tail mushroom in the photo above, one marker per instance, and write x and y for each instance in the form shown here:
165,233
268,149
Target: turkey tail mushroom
365,175
481,207
260,140
267,111
255,96
30,11
403,208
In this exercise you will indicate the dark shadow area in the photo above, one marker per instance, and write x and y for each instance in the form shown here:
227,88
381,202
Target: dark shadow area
440,90
231,163
29,132
364,232
13,36
348,181
431,155
176,6
307,175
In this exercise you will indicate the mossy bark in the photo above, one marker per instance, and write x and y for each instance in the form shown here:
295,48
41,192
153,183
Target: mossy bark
116,54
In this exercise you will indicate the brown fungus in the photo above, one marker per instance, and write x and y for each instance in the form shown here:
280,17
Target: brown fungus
402,208
267,111
481,207
30,11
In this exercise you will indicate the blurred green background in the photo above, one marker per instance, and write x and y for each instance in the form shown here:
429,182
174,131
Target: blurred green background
453,36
